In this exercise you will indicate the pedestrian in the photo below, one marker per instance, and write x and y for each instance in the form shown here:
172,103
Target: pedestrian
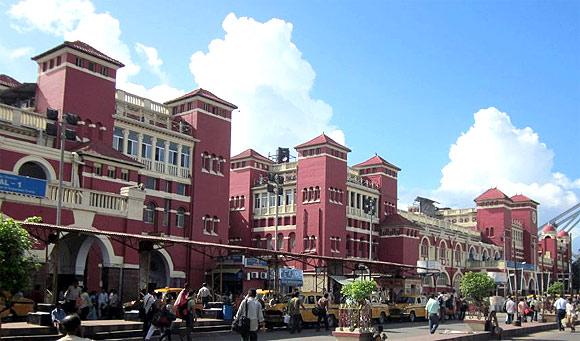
203,294
322,306
523,310
57,316
71,296
162,319
191,316
252,309
450,307
114,304
560,306
510,309
72,326
534,306
102,304
294,306
433,309
463,308
84,304
570,315
146,311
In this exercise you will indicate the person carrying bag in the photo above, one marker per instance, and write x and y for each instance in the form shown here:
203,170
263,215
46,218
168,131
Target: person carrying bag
249,317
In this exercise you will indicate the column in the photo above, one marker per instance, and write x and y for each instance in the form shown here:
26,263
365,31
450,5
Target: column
125,140
179,148
166,156
154,145
139,145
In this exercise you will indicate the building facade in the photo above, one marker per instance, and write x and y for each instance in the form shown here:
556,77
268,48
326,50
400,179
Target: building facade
135,166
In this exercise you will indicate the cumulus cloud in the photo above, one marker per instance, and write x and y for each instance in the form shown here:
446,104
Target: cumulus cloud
495,153
79,20
154,62
11,54
258,67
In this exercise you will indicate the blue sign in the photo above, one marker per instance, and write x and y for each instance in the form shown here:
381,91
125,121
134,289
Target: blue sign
22,185
520,266
255,263
291,277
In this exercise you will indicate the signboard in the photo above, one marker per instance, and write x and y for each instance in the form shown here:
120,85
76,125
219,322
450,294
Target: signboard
231,259
498,277
255,263
22,185
428,266
291,277
520,266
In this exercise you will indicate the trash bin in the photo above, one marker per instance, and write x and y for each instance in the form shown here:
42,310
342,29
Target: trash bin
228,312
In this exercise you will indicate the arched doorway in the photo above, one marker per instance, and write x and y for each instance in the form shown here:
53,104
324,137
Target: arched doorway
158,271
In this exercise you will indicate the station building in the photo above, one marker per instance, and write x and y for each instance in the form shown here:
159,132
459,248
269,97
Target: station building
135,166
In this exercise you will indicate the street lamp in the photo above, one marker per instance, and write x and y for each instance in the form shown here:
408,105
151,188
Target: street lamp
369,207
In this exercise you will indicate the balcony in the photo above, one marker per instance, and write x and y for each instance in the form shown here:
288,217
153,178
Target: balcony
23,118
271,211
150,113
359,180
163,168
357,212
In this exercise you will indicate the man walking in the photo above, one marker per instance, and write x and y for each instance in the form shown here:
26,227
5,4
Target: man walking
252,309
322,306
72,294
433,309
294,306
204,294
560,306
510,309
102,303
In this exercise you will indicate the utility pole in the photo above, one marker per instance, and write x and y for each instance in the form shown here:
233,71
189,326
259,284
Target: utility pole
57,126
275,186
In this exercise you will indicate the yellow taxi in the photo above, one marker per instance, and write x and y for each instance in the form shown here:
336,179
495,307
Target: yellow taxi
409,306
274,311
379,311
20,306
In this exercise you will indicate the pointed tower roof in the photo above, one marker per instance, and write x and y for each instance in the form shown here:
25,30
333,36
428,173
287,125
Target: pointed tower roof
522,198
250,153
203,93
376,161
321,140
491,194
81,47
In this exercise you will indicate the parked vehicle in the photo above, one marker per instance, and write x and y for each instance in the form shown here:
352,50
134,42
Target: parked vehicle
274,313
409,306
380,310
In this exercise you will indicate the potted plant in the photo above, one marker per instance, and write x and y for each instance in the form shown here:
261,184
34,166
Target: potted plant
355,312
476,287
548,313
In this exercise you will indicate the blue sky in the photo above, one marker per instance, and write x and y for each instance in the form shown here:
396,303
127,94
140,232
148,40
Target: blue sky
399,78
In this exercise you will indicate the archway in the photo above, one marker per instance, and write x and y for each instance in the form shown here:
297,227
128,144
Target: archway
158,271
25,164
532,285
456,281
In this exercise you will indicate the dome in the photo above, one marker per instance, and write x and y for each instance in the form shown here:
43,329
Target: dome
548,228
562,234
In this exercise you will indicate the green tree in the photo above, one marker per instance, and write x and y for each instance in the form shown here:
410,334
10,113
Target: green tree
476,286
556,288
16,260
359,290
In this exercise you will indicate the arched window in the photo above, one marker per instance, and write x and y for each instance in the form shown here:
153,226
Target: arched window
280,241
149,213
180,217
206,224
291,241
457,255
491,232
213,163
242,202
205,161
497,255
424,248
443,252
471,253
312,243
214,228
484,255
269,244
32,170
443,280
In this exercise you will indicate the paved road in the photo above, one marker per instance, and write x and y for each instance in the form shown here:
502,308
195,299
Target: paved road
552,335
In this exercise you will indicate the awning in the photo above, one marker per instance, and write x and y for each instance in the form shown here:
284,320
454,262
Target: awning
342,280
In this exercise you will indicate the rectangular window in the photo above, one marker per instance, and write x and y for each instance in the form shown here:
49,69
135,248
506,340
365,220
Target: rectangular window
51,64
118,139
272,200
132,143
256,201
146,147
181,189
289,197
79,62
112,173
185,157
98,169
173,153
160,151
168,186
264,200
104,71
151,183
125,174
58,60
91,66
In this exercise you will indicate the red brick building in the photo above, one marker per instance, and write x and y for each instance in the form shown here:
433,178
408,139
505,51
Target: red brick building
178,151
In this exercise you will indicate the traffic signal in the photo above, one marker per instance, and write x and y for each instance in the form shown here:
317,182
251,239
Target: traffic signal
51,129
283,155
52,114
70,135
270,188
71,119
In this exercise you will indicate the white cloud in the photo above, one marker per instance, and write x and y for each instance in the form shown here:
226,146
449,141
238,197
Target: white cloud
495,153
153,60
258,67
12,54
79,20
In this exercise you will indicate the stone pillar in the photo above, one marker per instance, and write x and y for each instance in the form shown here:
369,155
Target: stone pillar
154,145
139,145
125,140
179,148
166,157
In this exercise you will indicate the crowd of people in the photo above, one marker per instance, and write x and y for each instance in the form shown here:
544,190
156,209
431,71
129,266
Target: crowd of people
93,305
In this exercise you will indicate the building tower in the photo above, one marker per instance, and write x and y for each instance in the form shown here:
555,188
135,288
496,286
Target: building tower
494,220
525,211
